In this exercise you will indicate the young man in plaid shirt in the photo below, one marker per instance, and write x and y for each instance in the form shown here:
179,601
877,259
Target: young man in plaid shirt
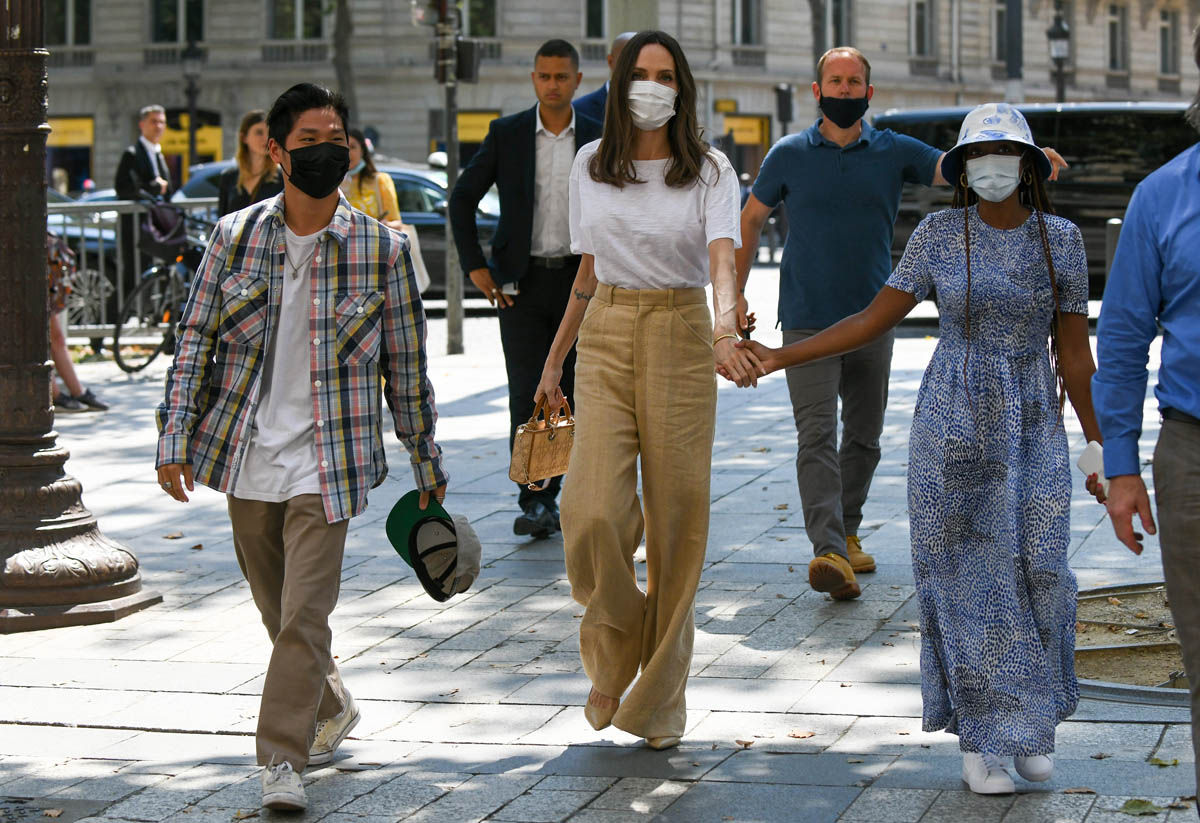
300,304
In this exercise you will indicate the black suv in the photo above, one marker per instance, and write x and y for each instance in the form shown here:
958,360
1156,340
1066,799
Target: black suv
1110,147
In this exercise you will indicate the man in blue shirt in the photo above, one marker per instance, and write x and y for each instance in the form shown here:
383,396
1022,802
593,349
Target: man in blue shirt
840,183
1155,280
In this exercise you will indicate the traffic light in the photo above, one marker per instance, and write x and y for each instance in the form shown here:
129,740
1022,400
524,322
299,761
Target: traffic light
783,103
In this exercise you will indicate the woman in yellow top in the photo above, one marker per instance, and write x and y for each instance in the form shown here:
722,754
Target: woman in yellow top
367,189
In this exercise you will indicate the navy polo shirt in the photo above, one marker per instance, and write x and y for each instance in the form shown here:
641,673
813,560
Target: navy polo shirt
841,208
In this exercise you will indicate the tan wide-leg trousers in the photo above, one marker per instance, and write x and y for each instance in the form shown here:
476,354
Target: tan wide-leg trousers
292,559
644,387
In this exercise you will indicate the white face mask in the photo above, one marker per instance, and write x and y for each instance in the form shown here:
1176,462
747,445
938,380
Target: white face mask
994,176
651,104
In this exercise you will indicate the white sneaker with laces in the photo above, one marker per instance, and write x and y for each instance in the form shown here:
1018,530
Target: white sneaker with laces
1035,768
282,788
985,774
331,732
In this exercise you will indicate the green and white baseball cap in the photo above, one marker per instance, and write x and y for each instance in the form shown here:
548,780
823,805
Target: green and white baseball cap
442,549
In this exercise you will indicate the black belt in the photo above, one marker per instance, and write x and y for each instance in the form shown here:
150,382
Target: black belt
1179,416
554,262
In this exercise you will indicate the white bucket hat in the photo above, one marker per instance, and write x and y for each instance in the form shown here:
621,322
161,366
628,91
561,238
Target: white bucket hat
991,121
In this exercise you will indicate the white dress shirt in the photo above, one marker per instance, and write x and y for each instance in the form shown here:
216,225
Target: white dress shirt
154,150
552,172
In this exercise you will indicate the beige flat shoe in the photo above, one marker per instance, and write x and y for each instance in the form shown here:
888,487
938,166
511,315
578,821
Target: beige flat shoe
660,743
600,716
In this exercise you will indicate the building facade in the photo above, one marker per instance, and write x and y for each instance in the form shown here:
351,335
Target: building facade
110,57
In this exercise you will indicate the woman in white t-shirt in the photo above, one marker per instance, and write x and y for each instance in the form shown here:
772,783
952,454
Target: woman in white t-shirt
654,214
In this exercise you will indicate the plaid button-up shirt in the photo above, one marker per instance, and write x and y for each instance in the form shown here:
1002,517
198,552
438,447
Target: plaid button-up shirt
365,320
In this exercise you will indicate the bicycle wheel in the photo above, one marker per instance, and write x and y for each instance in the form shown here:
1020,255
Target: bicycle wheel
147,321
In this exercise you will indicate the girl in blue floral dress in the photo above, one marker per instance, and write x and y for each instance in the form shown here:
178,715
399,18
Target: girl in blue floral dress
989,487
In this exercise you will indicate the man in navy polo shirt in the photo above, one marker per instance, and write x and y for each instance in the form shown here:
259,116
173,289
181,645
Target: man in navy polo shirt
840,182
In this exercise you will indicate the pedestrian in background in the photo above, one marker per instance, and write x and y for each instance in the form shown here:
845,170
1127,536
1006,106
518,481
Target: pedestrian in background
839,182
368,190
989,485
1155,282
274,400
142,174
593,103
61,268
254,176
528,157
654,214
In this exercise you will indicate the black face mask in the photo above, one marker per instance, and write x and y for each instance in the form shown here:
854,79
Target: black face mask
317,170
844,111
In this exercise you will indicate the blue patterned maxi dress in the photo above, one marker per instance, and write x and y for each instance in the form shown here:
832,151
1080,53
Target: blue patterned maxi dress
989,487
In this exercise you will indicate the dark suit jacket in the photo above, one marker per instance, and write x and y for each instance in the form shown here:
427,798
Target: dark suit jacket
592,104
506,158
137,170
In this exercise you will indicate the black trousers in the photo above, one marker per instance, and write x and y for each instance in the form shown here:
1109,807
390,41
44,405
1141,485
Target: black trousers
527,330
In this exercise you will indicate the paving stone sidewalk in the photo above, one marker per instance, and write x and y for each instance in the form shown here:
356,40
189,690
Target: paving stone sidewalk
799,709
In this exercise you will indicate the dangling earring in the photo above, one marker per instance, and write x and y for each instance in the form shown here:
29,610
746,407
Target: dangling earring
1027,177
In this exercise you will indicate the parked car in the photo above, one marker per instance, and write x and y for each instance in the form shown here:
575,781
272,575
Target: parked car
421,194
1110,148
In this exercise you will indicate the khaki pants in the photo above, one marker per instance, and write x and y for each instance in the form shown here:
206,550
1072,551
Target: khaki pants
1177,496
646,388
292,559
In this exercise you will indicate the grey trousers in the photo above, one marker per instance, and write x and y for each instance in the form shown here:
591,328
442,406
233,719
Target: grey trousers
1177,494
834,482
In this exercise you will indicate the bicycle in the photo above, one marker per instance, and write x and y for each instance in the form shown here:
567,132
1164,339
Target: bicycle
146,324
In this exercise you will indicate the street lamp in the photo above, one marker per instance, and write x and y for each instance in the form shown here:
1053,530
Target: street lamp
1059,37
192,59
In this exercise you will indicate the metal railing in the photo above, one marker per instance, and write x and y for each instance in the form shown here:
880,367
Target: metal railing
103,278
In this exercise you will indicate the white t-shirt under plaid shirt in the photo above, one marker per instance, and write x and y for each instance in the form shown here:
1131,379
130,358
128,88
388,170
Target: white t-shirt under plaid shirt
650,235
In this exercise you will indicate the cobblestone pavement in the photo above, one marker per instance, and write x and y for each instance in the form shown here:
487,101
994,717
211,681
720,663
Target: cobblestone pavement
799,709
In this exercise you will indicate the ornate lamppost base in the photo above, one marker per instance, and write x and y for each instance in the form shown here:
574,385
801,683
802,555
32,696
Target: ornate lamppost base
56,567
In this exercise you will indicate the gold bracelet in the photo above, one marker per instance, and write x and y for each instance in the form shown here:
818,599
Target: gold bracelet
723,337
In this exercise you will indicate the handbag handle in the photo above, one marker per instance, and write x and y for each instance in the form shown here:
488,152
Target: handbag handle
550,418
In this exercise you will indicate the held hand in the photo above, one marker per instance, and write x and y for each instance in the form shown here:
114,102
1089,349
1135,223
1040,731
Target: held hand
764,357
745,317
1057,163
1127,494
1095,487
549,388
173,477
482,278
439,494
734,364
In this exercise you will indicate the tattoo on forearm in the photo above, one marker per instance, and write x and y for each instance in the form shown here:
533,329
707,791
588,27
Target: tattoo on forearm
581,295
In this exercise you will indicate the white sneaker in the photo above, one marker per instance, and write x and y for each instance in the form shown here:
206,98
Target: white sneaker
331,732
282,788
985,774
1035,768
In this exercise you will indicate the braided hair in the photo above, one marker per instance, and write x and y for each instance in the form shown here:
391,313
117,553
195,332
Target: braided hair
1032,194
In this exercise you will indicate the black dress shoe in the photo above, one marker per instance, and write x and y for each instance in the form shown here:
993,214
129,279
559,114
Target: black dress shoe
552,507
535,520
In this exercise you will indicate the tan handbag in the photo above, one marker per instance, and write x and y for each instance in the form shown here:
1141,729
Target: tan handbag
542,448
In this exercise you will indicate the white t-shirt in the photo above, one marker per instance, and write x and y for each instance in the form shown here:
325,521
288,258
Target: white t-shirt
280,461
651,235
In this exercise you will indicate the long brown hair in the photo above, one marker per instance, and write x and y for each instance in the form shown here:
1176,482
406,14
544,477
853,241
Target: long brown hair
245,170
368,170
613,161
1032,194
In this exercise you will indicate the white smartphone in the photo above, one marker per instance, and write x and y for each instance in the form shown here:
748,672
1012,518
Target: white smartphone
1092,462
509,288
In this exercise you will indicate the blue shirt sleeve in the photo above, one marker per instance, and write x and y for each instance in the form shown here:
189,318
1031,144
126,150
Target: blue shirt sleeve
1128,324
919,161
771,184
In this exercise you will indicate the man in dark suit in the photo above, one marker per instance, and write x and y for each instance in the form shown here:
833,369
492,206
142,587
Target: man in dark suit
592,104
528,156
142,173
